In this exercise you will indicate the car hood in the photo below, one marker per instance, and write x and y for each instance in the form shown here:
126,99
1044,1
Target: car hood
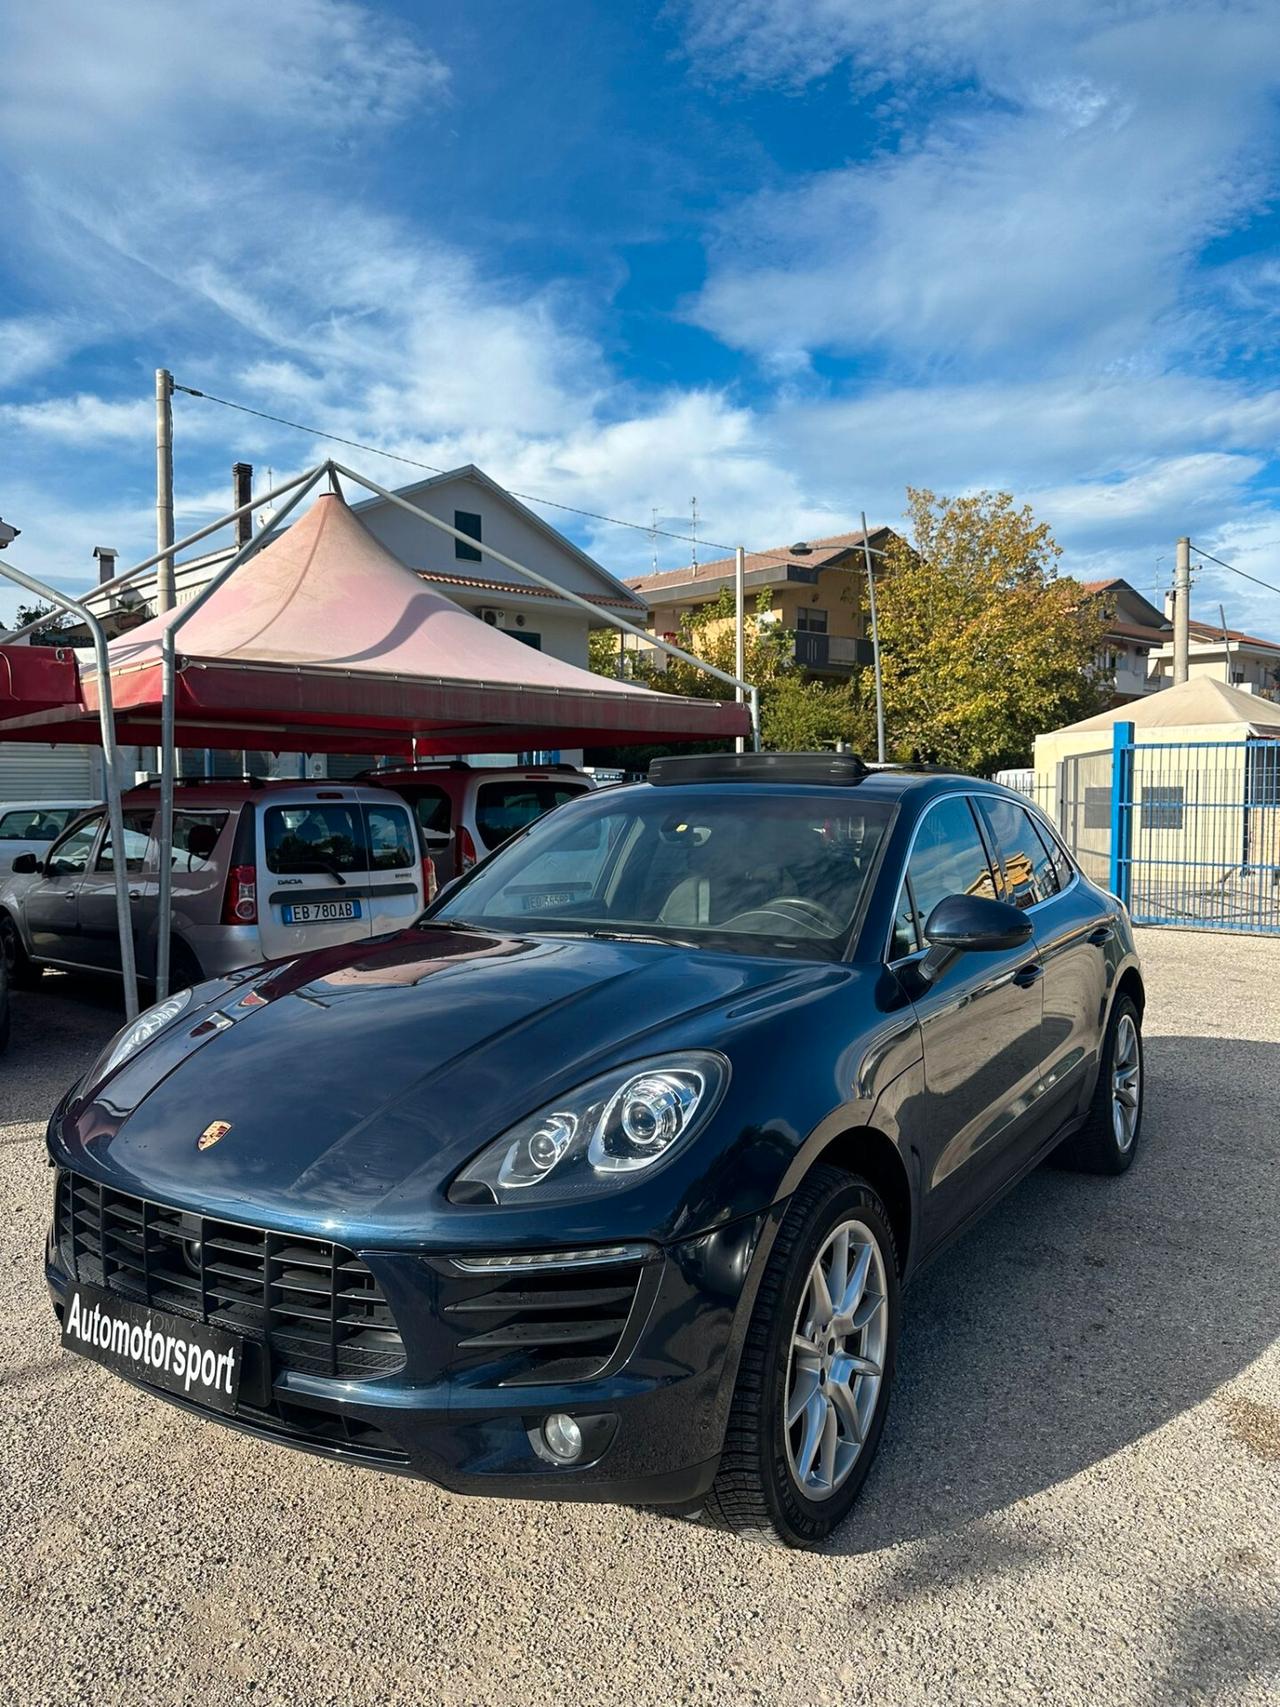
353,1084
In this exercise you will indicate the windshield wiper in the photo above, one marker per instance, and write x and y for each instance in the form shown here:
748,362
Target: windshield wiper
641,936
447,925
316,862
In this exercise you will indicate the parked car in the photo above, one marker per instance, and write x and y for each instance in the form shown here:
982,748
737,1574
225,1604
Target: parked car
28,826
260,871
612,1196
465,812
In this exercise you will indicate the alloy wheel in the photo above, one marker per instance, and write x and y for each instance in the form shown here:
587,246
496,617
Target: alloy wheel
837,1357
1126,1082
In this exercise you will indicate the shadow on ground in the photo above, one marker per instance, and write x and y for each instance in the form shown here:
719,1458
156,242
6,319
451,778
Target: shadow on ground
1085,1312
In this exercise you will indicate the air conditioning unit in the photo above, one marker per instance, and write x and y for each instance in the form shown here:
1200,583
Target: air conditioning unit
491,616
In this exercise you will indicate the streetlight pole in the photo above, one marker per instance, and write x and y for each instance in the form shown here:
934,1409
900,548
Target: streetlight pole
875,640
740,641
165,596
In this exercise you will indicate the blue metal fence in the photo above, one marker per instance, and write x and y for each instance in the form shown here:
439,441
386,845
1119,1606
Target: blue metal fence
1185,832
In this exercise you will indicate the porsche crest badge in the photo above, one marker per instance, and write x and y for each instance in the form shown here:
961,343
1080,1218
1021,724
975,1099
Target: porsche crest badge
213,1131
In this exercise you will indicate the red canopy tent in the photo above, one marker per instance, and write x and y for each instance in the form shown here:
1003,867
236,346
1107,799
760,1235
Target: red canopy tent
328,643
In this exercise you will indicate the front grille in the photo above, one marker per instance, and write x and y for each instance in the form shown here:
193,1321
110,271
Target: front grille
313,1305
543,1326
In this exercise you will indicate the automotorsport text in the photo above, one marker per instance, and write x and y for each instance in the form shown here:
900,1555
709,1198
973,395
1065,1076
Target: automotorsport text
199,1362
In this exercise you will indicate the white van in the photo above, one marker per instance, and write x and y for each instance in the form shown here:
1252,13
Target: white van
261,871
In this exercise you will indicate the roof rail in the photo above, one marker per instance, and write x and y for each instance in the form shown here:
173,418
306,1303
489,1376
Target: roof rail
216,781
822,769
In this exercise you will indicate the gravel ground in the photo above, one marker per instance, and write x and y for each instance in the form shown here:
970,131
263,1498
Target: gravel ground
1078,1498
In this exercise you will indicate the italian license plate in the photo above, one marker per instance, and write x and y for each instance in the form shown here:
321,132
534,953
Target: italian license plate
319,912
194,1360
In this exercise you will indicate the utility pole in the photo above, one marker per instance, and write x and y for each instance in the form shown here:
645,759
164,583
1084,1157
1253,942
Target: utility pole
1226,646
739,635
1181,610
165,598
875,640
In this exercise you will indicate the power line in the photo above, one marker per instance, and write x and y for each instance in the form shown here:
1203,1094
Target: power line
1244,575
527,497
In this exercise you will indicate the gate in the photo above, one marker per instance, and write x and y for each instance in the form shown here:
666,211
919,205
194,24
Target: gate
1185,832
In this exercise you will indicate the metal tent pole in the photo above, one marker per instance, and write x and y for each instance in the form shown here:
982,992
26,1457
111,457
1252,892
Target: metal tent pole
739,627
111,767
168,721
875,639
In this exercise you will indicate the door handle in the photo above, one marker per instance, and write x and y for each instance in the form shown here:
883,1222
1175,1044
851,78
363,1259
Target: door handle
1103,934
1026,976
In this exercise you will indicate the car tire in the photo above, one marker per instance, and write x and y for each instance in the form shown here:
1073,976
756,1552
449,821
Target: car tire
184,968
1108,1140
23,974
772,1485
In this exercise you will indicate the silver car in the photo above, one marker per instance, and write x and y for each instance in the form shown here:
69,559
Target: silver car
260,871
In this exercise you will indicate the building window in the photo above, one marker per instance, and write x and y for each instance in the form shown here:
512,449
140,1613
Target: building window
1162,808
1237,676
811,620
466,522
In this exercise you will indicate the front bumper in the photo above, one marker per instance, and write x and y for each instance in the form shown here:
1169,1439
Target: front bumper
466,1413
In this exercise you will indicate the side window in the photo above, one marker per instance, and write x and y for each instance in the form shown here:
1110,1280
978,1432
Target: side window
435,818
33,824
195,836
1020,852
948,859
70,856
137,834
390,839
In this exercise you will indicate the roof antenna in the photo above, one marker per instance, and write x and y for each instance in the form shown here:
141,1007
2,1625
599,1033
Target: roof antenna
653,537
693,530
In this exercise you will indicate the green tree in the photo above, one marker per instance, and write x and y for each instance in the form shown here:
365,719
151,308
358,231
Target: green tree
983,644
801,715
708,632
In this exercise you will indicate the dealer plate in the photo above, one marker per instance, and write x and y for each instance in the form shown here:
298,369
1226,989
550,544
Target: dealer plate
319,912
192,1359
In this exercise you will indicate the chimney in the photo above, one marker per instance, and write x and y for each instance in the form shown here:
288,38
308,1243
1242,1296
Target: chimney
242,493
1170,603
106,563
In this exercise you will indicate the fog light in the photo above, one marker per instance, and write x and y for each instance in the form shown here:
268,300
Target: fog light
562,1437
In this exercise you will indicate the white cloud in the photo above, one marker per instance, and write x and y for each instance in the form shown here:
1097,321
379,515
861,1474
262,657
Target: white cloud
1041,214
30,345
80,419
84,74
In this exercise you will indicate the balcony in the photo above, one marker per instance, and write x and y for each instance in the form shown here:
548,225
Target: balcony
830,654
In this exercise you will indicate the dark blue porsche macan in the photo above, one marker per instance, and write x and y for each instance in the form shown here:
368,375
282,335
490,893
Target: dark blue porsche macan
604,1180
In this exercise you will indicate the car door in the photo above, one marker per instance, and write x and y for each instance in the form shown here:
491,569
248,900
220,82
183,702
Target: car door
51,906
394,879
980,1025
99,929
1073,924
313,889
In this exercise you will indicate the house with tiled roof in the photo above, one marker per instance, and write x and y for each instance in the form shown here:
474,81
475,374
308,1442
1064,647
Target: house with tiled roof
815,590
1135,630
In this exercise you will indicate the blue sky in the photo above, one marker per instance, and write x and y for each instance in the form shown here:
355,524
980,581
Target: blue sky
789,257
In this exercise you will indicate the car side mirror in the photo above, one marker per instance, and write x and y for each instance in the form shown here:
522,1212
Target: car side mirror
26,865
970,924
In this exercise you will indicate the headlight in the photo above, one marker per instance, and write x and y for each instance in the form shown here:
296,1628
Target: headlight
136,1036
599,1135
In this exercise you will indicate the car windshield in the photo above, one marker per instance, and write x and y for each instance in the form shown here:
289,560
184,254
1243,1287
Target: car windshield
733,867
